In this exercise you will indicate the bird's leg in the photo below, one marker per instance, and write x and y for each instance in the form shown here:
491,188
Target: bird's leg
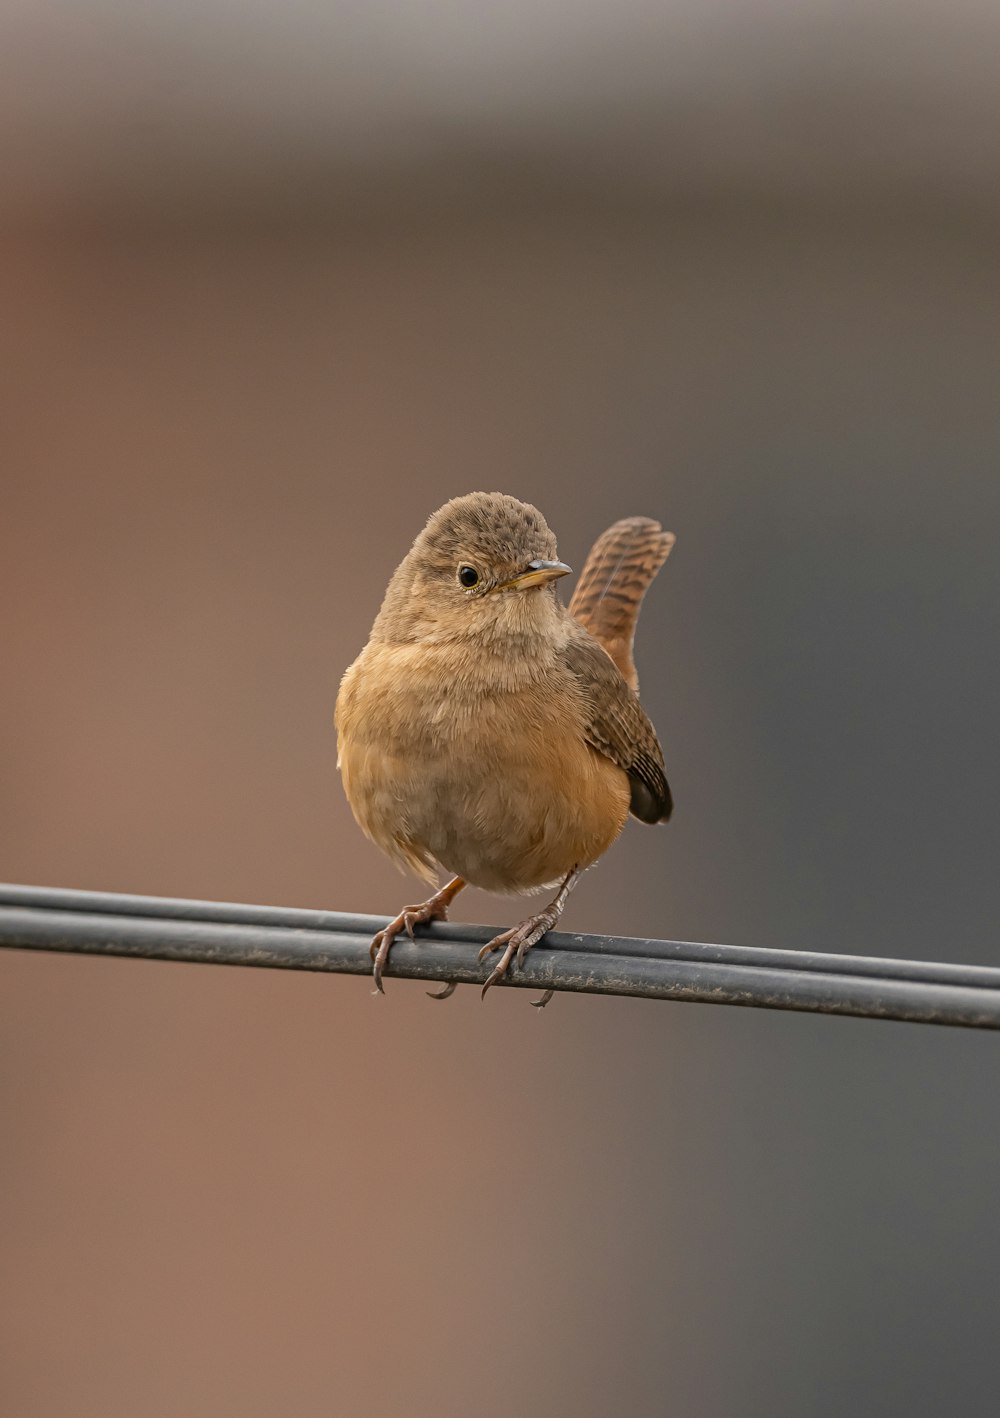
516,942
436,909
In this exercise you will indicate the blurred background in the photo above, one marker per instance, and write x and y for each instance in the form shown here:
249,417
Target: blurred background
275,284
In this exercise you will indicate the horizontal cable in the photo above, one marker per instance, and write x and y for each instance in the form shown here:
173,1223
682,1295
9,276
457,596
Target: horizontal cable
210,932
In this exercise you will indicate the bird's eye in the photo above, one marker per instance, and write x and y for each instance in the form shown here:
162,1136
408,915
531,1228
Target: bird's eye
468,576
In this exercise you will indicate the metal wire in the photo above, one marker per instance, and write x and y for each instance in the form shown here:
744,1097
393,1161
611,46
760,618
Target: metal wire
211,932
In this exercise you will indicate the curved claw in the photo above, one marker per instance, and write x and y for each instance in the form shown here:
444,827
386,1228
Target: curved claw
541,1003
379,952
494,944
444,993
500,969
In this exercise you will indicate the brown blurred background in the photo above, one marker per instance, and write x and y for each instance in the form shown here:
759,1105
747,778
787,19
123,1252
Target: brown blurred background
274,286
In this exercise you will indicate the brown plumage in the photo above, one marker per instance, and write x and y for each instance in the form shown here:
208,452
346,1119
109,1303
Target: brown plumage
485,729
615,578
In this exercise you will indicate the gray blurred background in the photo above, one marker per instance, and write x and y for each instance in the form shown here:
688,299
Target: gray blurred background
277,283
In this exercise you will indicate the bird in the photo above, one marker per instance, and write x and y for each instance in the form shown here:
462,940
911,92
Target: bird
490,732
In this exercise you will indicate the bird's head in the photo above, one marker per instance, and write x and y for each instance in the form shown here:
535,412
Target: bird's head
485,565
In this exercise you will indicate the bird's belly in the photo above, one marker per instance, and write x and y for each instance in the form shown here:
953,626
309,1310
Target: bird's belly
525,823
511,803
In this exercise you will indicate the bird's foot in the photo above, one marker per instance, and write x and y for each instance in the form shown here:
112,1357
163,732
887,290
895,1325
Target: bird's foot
516,943
435,909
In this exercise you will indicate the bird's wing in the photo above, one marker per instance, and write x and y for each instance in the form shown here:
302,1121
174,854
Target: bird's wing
616,725
614,579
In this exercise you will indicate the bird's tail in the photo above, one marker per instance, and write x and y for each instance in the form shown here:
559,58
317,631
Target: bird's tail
615,577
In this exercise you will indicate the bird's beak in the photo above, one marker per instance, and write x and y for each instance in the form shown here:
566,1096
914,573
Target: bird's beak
537,573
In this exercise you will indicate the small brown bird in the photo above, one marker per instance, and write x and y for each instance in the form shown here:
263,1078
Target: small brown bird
487,730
